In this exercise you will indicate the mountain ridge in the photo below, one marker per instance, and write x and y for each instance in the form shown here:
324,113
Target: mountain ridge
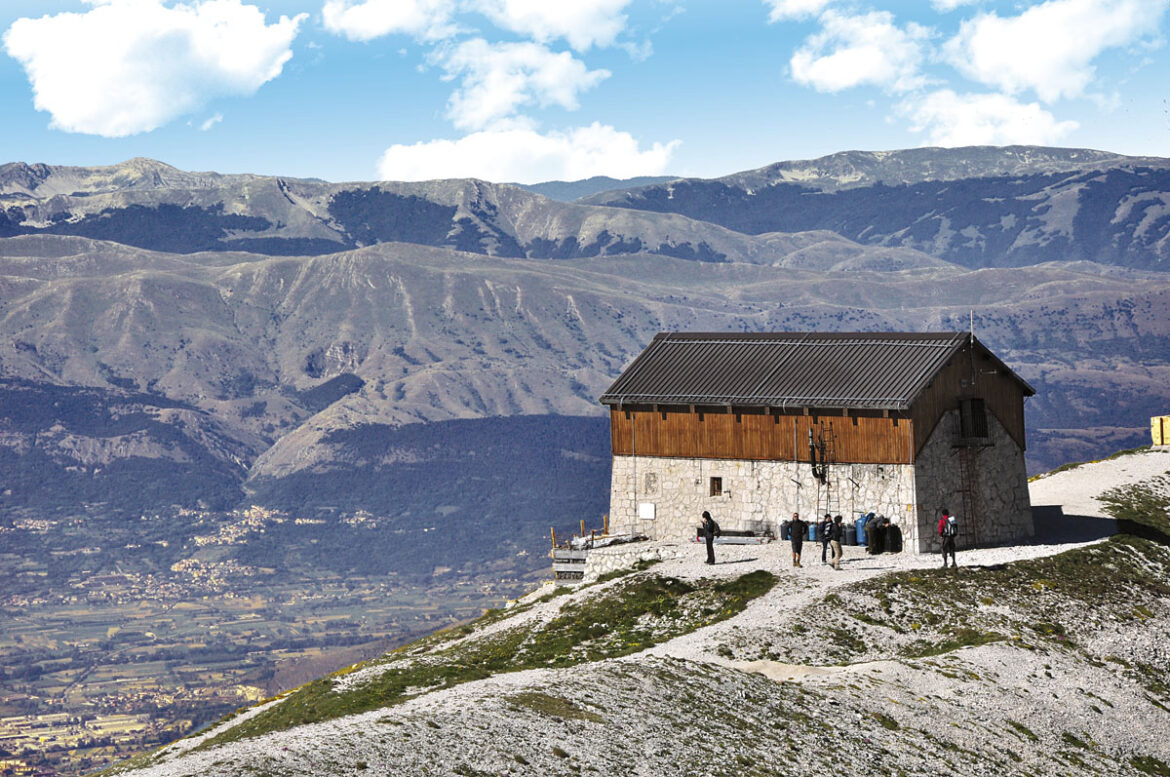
978,207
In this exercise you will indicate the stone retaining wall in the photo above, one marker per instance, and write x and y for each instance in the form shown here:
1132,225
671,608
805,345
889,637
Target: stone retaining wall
616,557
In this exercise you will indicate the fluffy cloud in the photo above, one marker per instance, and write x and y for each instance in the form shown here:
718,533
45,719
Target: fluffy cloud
854,50
499,79
129,66
526,156
983,120
1049,48
946,6
365,20
794,9
583,23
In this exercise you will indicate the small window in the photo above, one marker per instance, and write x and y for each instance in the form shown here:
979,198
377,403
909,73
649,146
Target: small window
973,418
716,486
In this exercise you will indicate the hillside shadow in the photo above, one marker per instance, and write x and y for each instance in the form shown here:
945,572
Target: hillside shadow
1053,527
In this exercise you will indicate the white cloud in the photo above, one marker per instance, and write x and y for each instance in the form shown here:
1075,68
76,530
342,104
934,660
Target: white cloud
499,79
526,156
583,23
854,50
952,119
783,10
364,20
211,122
1050,47
946,6
130,66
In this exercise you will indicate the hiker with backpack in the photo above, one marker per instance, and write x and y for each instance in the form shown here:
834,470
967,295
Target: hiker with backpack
948,529
710,530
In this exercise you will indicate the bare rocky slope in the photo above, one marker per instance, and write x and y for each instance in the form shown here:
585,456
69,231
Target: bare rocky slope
281,361
1045,659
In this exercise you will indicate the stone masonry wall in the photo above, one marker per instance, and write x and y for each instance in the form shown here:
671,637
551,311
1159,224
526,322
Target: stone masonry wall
601,561
757,495
1003,509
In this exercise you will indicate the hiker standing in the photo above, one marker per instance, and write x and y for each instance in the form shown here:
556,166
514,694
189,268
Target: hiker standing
948,529
796,531
826,528
836,532
710,530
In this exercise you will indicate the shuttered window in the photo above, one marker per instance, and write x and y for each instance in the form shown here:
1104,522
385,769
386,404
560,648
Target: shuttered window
973,417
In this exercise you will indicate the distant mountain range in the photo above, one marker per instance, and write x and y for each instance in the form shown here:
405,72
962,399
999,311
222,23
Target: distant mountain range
978,207
239,334
567,191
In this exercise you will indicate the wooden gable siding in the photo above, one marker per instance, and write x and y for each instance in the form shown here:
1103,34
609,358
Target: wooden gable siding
1002,394
767,437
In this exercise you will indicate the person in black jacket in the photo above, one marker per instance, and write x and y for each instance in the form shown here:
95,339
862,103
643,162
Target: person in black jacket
825,529
875,530
797,529
709,530
836,534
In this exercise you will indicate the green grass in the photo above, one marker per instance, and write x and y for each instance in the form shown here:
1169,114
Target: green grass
553,706
1148,764
634,615
1143,509
955,638
1023,730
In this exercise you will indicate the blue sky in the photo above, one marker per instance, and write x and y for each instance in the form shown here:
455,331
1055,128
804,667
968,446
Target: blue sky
529,90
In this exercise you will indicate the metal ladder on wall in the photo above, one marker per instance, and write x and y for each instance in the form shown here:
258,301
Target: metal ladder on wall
969,488
828,499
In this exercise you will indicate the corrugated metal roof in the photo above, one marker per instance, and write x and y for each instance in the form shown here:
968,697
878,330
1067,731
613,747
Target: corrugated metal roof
870,370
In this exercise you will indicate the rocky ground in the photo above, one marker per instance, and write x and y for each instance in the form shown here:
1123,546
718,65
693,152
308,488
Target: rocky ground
1041,659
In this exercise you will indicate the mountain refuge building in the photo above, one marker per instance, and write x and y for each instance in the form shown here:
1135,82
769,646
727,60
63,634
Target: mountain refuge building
754,427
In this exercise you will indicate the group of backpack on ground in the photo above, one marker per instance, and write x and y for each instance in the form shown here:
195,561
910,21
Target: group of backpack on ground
830,532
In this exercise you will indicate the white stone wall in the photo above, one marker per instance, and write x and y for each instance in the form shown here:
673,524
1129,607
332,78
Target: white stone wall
600,561
1004,510
757,495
